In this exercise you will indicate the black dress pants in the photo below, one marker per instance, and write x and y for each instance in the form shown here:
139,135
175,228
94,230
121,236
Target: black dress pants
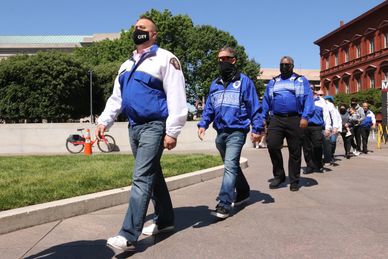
347,141
280,128
312,146
364,132
357,137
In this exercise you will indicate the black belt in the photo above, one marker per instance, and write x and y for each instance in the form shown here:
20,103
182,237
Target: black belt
293,114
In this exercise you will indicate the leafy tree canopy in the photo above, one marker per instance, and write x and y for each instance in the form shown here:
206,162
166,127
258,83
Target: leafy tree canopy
195,46
371,96
49,85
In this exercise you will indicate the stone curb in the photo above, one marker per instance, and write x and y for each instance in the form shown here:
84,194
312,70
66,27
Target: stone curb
15,219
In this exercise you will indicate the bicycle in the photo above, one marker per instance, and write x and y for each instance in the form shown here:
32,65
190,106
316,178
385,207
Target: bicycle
75,143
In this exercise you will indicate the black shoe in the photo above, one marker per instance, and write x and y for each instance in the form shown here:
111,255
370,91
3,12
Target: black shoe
240,199
332,161
220,212
276,183
318,170
308,170
294,187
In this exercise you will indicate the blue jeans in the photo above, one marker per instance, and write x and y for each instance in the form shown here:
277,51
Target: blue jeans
148,182
229,144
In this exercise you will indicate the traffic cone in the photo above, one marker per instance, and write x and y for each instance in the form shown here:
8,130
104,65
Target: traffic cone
88,144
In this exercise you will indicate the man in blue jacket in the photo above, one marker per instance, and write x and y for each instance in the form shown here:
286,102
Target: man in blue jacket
150,90
313,139
289,100
232,106
365,126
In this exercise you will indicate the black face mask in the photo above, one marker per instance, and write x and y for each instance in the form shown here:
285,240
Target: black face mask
353,104
139,36
227,71
342,111
286,70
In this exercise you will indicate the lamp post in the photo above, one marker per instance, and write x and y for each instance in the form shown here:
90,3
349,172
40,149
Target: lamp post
91,95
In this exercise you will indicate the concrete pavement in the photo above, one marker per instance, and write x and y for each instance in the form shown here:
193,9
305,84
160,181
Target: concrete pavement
341,213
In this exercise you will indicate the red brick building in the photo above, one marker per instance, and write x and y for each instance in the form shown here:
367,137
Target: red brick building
354,57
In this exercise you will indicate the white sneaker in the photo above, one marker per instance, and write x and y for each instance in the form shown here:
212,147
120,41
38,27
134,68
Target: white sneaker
153,229
120,242
356,153
348,134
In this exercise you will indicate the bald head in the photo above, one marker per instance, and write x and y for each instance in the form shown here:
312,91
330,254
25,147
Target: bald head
145,28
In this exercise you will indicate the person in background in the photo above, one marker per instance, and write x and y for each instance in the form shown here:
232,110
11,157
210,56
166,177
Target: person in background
354,120
233,106
346,132
365,126
356,128
288,99
150,90
330,143
313,137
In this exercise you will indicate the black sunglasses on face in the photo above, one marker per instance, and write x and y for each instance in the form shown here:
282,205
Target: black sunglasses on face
225,58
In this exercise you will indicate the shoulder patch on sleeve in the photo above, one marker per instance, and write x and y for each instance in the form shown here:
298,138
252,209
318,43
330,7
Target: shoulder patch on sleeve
175,63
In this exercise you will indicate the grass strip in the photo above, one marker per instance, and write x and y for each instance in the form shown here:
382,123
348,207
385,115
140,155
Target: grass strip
28,180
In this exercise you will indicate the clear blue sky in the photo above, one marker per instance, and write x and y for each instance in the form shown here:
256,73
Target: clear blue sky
267,29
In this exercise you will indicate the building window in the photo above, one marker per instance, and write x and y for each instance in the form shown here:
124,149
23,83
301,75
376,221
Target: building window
346,83
371,45
386,74
336,87
372,80
346,55
358,84
358,51
327,63
336,59
386,40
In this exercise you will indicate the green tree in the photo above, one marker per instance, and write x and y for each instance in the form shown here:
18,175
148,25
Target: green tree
195,46
372,96
49,85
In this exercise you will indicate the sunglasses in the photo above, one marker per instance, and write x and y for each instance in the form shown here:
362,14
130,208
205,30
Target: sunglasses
224,58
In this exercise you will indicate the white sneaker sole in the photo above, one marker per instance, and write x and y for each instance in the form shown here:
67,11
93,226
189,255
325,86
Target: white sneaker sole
163,230
236,204
131,248
219,215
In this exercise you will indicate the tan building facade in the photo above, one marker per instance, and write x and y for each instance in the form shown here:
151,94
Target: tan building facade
266,74
13,45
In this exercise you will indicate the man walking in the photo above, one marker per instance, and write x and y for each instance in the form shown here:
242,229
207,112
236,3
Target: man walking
365,126
289,99
313,138
232,106
150,91
356,128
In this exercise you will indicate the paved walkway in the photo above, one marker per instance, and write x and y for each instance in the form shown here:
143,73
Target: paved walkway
342,213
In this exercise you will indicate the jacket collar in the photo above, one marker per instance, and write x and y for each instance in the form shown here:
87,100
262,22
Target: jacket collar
236,77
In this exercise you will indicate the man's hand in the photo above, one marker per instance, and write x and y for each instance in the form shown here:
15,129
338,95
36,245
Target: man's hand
169,142
100,130
327,133
255,137
303,123
201,133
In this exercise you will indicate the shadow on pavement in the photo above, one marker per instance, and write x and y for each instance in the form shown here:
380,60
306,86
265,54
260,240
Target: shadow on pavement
303,181
78,249
257,196
307,182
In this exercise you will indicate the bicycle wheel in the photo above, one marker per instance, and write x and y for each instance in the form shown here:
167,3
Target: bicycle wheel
74,147
106,145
